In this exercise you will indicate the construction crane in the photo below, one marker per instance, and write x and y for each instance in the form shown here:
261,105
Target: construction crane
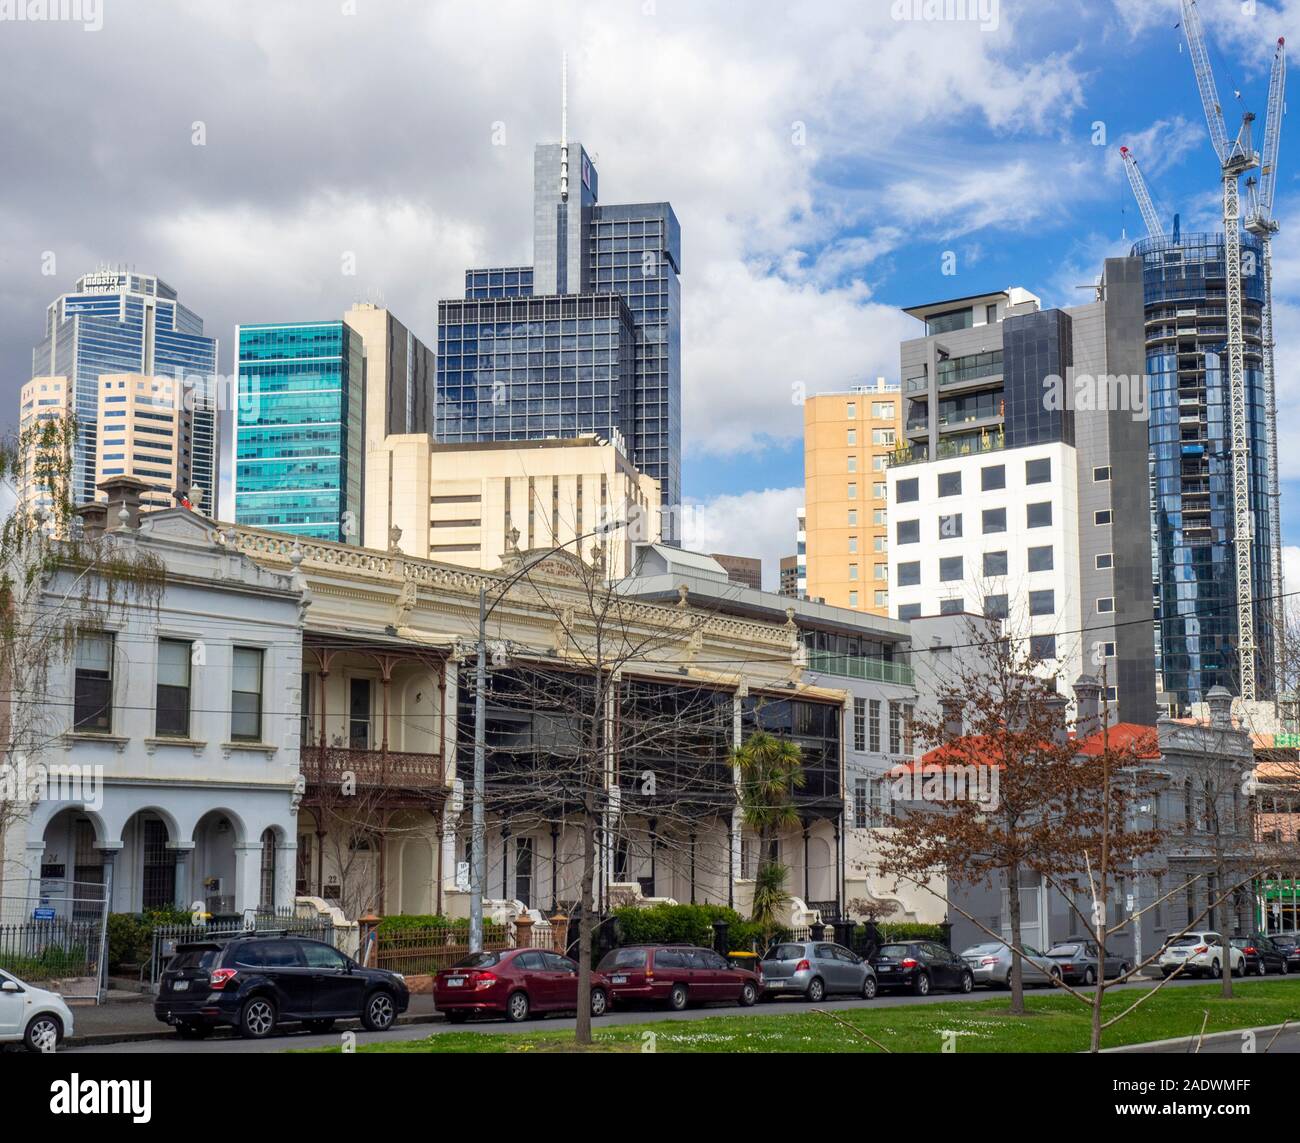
1140,192
1235,159
1260,222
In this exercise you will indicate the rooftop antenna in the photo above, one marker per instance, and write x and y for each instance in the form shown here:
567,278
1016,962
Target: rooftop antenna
564,128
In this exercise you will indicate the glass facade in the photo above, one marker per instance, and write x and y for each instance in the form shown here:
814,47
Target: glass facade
1035,347
298,459
1193,553
120,322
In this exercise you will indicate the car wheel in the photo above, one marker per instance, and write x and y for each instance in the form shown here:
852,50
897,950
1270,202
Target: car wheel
1089,975
456,1016
599,1002
257,1018
677,998
319,1026
193,1031
1263,970
44,1031
748,994
1056,977
869,988
1124,968
816,990
967,982
1216,970
517,1007
921,985
379,1013
1284,970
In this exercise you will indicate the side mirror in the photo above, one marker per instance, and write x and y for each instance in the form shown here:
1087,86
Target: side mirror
9,986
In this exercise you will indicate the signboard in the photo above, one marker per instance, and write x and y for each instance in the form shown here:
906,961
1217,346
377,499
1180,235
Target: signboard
102,283
462,876
1282,741
586,171
42,914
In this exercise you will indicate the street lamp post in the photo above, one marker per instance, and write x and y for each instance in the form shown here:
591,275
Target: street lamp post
477,862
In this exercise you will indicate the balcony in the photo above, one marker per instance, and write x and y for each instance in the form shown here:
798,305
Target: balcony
385,770
860,667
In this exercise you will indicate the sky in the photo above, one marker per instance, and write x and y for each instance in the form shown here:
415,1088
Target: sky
278,160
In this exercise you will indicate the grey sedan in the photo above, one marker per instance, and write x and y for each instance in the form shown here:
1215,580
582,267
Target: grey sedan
991,964
814,970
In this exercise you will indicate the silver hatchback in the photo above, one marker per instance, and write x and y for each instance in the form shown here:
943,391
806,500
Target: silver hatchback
815,969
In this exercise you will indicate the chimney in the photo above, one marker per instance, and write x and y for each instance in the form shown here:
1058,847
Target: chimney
1056,704
123,492
94,519
1087,702
1219,700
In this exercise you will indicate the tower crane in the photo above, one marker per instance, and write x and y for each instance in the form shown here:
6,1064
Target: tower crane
1235,159
1143,196
1261,223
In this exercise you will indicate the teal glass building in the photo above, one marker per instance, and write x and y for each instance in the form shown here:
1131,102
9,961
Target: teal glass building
299,442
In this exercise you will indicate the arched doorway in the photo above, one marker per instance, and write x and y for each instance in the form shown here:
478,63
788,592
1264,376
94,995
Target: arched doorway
148,863
215,837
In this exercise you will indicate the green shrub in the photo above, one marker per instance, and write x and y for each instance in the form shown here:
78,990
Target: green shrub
692,924
407,922
903,931
53,961
130,935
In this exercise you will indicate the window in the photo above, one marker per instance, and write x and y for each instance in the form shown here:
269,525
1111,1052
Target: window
859,803
1038,471
859,724
246,695
1107,650
853,599
883,410
1102,473
1039,515
882,599
885,438
1101,517
909,574
1040,559
950,568
1042,647
873,725
266,897
851,410
319,955
880,517
172,717
853,436
853,517
950,526
995,520
853,464
93,697
1105,605
950,484
995,607
909,611
1104,561
1042,602
993,477
879,544
906,491
909,531
995,563
1110,694
853,544
881,490
950,607
878,462
895,728
853,490
853,571
359,713
882,572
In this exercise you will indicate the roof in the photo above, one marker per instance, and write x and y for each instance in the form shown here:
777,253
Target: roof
1121,736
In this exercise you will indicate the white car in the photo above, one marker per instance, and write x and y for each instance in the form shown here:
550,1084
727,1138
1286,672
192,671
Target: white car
1203,954
38,1018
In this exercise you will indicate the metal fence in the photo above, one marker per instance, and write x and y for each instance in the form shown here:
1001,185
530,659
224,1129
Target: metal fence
417,952
55,939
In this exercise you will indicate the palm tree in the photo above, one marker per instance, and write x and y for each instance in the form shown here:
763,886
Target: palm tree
770,771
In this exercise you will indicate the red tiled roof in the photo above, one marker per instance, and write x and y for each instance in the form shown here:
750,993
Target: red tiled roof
1121,736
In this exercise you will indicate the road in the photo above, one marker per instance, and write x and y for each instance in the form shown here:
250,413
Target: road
222,1043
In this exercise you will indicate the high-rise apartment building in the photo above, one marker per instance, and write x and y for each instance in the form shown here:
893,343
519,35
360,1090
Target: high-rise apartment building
744,570
848,438
1020,491
1192,527
789,577
586,340
120,322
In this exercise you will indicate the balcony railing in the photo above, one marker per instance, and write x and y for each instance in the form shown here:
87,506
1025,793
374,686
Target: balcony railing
860,667
968,446
391,769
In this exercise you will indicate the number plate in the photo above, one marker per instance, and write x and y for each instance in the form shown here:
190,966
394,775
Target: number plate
180,985
775,983
619,979
455,982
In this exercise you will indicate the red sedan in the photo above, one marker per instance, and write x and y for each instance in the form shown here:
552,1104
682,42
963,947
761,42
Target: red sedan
676,975
514,983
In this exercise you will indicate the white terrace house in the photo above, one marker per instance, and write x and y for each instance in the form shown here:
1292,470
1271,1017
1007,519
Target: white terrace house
179,717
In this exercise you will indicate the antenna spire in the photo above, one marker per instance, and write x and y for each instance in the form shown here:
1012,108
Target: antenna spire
564,127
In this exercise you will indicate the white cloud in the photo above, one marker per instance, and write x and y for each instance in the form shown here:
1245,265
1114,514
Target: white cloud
1290,568
761,524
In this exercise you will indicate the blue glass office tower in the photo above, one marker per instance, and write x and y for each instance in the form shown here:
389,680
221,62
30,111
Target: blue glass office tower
299,444
586,365
117,321
1192,531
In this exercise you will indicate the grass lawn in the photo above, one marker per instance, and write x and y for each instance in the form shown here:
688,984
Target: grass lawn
1056,1023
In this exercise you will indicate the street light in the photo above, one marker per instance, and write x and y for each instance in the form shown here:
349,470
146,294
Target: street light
477,871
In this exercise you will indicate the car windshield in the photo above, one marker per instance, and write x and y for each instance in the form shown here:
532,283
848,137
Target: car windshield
784,952
623,958
892,951
1183,942
194,958
1065,950
990,949
478,960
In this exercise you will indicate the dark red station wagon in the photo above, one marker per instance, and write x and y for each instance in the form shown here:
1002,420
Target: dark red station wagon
676,975
514,983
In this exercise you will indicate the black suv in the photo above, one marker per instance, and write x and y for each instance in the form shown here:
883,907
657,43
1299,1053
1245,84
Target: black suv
254,982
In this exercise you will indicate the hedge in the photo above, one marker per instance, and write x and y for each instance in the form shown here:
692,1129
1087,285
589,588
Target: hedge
130,935
904,931
692,924
405,922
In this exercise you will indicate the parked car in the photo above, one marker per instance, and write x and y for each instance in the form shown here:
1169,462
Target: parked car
1077,960
1262,955
1288,944
922,966
991,964
514,983
37,1019
256,982
815,969
676,975
1202,954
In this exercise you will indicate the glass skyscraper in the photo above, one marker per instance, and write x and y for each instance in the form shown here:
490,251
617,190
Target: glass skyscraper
591,364
299,447
1192,531
117,321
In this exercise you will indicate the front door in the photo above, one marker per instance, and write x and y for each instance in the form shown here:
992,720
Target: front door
539,980
359,714
563,975
524,871
279,962
335,989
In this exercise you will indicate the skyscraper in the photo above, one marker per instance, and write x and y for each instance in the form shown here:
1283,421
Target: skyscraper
120,322
587,339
